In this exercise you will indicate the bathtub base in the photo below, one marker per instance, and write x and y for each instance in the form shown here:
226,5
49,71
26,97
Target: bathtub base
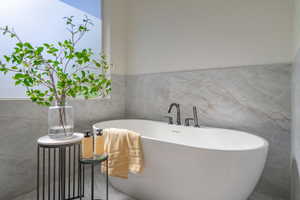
181,173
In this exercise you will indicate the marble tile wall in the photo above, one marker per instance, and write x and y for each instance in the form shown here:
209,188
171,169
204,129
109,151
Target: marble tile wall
22,122
249,98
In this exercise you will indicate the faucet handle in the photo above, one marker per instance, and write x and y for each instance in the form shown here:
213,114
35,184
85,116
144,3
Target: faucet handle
170,119
187,121
196,122
99,132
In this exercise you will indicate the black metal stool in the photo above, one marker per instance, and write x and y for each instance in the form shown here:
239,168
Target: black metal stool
93,161
59,168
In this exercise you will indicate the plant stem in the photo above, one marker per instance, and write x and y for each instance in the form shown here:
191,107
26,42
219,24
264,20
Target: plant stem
62,114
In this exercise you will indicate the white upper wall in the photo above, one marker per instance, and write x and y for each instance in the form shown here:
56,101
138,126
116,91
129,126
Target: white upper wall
174,35
296,45
115,33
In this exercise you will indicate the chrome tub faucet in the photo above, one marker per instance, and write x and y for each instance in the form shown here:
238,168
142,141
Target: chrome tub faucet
177,106
187,121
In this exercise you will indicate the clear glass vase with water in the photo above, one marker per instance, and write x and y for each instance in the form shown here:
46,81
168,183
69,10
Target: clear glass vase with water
60,122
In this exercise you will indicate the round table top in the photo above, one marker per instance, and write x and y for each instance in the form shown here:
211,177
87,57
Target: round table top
47,141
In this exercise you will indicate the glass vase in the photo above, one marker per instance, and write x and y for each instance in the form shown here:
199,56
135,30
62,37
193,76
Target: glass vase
60,122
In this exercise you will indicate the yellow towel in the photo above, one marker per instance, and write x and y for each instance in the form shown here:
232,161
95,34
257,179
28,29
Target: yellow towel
124,151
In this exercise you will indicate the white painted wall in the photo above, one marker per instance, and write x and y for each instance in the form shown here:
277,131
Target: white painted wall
296,31
174,35
40,21
116,33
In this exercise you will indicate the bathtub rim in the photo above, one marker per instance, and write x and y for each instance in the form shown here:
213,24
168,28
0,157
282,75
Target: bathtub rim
264,146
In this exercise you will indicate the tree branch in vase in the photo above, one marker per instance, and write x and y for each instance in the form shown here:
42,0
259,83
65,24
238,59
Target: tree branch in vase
54,72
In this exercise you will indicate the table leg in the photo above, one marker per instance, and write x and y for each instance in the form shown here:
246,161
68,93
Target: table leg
92,182
64,173
60,174
38,174
54,173
62,179
107,179
83,177
80,182
49,173
43,177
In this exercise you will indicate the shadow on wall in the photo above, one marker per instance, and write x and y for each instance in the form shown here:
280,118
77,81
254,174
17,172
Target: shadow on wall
92,7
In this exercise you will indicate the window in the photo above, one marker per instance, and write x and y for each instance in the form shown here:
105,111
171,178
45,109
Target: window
39,21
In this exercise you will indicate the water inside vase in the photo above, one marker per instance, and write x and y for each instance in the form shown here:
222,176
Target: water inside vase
61,132
60,122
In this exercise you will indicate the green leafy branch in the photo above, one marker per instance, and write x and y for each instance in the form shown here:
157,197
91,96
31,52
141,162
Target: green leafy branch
60,69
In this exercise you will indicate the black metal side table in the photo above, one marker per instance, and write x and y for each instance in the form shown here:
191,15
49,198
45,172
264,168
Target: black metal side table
93,161
58,168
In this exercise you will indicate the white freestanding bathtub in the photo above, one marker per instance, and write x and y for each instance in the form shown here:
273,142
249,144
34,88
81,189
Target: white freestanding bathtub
186,163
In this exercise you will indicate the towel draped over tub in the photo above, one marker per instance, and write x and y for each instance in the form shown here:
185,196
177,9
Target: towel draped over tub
124,151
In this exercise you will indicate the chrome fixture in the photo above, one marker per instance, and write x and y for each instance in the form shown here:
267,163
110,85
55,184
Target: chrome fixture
194,119
99,131
187,121
178,120
170,119
196,122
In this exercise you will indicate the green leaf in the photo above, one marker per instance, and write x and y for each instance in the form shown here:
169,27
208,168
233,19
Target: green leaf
46,45
3,69
7,58
19,76
39,50
83,74
19,44
18,82
28,45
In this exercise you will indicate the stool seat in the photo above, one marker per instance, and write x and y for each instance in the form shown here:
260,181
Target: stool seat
96,159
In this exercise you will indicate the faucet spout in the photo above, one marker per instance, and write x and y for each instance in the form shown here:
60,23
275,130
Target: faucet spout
177,106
